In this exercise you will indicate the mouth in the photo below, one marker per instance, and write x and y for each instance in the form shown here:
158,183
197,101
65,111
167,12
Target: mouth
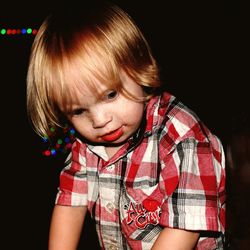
113,135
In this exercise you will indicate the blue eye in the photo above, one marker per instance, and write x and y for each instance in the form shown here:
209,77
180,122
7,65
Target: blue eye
78,111
112,94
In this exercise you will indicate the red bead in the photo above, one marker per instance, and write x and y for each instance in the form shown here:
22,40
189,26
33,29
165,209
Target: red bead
150,205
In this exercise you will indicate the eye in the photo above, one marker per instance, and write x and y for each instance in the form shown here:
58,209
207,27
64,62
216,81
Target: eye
112,94
78,111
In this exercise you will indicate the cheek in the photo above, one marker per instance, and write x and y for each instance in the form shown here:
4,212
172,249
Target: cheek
87,133
134,113
83,127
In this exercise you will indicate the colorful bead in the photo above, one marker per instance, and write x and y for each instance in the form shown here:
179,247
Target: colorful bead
55,145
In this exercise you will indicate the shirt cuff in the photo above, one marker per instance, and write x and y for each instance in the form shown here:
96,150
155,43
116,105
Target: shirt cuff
71,199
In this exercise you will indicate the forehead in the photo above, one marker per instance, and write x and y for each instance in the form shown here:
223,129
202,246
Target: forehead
94,90
91,81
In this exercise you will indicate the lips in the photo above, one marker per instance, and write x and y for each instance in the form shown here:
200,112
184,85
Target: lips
114,135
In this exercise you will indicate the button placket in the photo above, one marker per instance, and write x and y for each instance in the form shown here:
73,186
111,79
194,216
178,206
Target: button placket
110,207
112,247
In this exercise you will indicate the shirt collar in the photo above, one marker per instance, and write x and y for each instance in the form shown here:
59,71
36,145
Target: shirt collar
150,123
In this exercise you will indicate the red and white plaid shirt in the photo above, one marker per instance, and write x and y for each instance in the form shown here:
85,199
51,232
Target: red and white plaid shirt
170,174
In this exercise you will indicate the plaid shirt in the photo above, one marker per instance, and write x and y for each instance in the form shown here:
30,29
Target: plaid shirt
170,174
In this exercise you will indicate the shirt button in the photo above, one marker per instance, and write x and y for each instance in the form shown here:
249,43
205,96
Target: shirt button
155,123
112,247
147,133
111,167
110,207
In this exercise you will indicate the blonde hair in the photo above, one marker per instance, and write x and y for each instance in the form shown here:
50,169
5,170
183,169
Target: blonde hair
90,44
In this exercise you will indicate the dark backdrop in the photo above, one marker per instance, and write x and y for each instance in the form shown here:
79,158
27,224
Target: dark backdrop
201,50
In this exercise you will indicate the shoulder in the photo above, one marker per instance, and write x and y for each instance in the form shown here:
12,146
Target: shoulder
78,150
181,127
178,122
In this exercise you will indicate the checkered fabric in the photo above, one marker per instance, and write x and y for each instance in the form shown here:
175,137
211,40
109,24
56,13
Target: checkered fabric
171,173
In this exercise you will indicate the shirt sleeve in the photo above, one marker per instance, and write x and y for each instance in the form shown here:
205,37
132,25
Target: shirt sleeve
193,179
72,189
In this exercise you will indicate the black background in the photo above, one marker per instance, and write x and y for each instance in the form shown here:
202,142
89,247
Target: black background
202,52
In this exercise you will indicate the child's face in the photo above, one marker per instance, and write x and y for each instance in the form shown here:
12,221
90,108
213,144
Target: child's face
111,119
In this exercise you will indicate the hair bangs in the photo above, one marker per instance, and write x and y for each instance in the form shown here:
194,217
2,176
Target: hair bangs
83,69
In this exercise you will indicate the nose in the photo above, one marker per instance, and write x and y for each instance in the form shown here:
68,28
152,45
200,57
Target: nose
100,118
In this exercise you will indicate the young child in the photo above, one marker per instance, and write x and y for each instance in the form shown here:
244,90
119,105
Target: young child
146,168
